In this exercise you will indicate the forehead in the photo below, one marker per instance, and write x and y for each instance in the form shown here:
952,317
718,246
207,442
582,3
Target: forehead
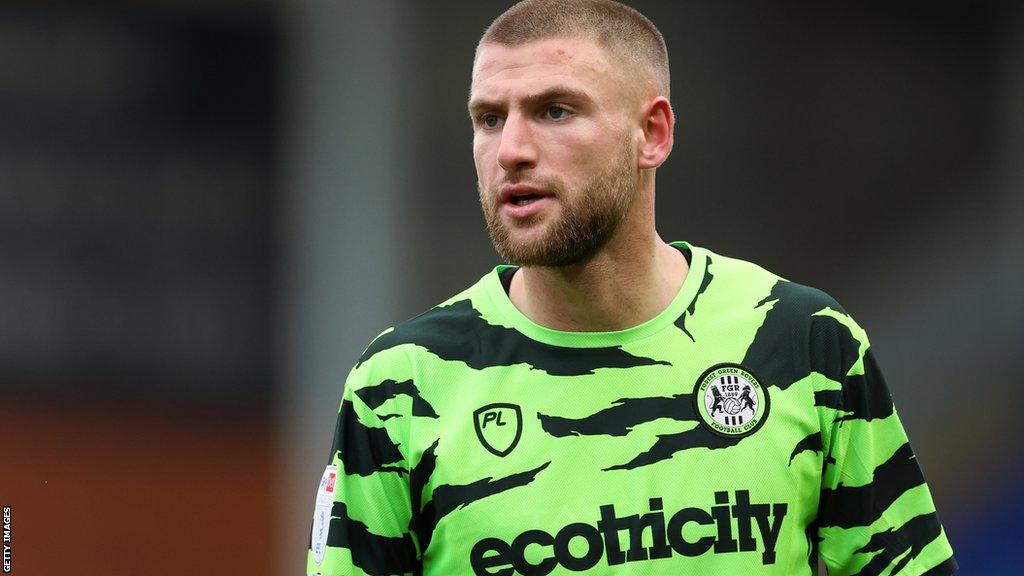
500,70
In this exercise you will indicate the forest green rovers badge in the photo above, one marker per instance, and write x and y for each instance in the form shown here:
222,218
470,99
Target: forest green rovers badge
730,401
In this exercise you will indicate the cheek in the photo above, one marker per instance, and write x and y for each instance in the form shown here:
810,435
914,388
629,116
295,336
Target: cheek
577,155
482,154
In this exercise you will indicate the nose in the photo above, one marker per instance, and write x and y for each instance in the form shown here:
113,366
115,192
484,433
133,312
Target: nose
517,150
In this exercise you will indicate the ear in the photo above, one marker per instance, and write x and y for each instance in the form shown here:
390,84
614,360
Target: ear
657,123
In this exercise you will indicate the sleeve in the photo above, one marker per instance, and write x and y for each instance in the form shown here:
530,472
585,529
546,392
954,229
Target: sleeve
362,510
876,514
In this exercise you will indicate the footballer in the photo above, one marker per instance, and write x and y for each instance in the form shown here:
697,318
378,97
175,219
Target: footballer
606,402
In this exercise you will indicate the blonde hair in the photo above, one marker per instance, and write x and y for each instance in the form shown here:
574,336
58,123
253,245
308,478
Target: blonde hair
622,31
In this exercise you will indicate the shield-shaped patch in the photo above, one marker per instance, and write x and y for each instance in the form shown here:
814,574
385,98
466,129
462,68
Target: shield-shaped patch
498,426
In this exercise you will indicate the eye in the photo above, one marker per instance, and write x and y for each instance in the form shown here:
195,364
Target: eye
557,112
490,120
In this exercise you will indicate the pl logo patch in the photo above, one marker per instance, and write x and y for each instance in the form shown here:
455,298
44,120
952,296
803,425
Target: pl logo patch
730,401
498,426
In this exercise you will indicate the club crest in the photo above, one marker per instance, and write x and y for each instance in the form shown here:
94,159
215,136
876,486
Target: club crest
730,401
498,426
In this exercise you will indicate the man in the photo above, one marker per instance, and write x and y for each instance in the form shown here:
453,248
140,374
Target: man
563,415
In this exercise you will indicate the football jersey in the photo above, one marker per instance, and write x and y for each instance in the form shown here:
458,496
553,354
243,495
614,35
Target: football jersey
746,429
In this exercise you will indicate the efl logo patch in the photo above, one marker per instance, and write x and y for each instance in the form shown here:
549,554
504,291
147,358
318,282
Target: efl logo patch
498,426
730,401
322,513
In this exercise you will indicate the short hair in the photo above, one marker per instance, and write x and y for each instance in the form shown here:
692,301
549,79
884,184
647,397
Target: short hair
619,29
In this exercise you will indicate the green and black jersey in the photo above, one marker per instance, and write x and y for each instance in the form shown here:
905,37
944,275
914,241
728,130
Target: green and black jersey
744,430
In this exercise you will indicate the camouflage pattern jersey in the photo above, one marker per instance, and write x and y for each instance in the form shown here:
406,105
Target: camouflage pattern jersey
746,429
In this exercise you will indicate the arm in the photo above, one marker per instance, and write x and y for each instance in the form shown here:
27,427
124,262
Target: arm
361,521
876,514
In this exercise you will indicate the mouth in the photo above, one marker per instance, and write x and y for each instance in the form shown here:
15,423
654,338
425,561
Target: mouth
526,199
522,203
522,194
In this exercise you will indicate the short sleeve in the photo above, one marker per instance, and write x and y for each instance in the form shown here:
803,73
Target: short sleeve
876,514
362,511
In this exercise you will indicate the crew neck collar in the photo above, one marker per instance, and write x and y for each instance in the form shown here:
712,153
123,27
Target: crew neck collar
517,320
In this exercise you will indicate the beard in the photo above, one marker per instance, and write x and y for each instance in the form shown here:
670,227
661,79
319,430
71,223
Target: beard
588,219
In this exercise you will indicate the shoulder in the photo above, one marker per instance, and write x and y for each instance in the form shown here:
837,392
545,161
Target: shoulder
793,320
443,330
736,275
745,285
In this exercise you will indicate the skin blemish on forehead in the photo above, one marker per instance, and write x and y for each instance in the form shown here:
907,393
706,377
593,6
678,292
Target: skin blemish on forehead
560,53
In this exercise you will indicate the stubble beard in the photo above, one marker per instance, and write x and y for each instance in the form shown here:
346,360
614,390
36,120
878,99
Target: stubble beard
588,219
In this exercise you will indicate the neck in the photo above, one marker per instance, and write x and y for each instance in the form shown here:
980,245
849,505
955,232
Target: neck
629,281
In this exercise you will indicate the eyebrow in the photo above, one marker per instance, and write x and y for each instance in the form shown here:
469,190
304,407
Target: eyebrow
554,93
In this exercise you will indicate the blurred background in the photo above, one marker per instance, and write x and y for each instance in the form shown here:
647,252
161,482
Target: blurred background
208,208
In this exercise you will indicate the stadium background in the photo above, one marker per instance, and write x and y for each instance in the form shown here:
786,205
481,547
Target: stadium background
208,208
